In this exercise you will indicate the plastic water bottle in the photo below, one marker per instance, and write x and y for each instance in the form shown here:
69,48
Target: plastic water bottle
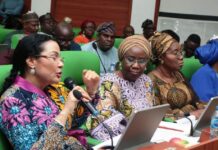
214,124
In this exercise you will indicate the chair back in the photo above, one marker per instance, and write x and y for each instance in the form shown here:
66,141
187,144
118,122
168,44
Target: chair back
190,66
4,72
3,33
117,42
76,61
15,40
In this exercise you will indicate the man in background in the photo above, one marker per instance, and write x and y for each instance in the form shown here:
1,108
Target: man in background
103,47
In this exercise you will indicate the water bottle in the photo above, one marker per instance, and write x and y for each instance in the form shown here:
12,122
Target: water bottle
214,124
112,68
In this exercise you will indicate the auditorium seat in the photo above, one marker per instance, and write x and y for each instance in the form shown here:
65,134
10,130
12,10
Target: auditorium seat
117,42
76,61
3,33
15,40
76,31
4,72
190,66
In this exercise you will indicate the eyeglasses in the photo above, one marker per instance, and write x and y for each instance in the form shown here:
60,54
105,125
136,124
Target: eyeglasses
177,53
131,60
54,58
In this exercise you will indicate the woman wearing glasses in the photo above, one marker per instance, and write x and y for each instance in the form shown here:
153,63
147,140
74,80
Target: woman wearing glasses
126,90
169,84
28,116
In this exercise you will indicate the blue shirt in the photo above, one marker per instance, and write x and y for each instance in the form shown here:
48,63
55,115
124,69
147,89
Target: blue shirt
11,7
205,83
109,58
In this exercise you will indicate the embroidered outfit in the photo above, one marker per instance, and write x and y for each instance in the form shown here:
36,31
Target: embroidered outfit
27,119
119,98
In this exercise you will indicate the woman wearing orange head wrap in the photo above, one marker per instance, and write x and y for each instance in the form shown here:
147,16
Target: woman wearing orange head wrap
169,84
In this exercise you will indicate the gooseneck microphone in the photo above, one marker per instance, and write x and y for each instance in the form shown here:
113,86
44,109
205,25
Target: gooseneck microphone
95,47
90,107
69,83
192,128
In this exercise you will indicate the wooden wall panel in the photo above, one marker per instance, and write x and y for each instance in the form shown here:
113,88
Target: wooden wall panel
118,11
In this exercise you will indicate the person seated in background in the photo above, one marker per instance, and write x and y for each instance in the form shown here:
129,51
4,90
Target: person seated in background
103,47
87,31
128,31
10,8
172,34
30,22
169,84
148,28
64,36
190,44
47,24
30,119
124,91
205,80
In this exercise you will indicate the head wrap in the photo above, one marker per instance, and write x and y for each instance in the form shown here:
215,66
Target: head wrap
208,54
106,27
134,41
30,16
160,43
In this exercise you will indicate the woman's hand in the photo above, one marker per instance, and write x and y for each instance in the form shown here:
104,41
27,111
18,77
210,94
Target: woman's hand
91,79
71,102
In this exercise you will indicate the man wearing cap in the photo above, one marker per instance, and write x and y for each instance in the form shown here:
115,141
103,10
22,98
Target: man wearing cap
30,22
103,47
47,24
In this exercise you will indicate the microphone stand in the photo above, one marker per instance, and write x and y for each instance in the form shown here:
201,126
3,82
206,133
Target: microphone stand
95,47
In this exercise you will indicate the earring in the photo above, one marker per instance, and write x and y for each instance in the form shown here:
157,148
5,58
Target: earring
32,71
161,61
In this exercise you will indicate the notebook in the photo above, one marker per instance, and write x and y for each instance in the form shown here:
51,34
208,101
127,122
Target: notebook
205,118
141,127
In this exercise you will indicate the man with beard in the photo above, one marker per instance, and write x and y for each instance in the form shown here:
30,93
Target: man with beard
103,47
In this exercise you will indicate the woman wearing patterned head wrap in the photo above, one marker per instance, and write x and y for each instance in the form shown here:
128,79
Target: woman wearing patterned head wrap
169,84
127,90
207,74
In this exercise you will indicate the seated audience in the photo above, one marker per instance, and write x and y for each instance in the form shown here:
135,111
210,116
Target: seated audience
103,46
64,36
87,31
47,24
191,43
10,8
30,23
205,80
124,91
128,31
148,28
169,84
29,117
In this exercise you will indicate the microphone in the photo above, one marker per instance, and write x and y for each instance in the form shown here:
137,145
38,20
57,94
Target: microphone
95,47
70,85
192,128
91,108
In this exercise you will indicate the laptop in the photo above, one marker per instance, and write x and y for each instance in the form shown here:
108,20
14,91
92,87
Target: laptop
141,127
205,118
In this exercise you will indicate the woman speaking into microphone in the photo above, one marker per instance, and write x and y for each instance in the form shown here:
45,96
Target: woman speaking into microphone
29,118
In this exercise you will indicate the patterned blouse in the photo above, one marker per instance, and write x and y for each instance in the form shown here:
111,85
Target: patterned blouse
27,119
119,98
179,94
